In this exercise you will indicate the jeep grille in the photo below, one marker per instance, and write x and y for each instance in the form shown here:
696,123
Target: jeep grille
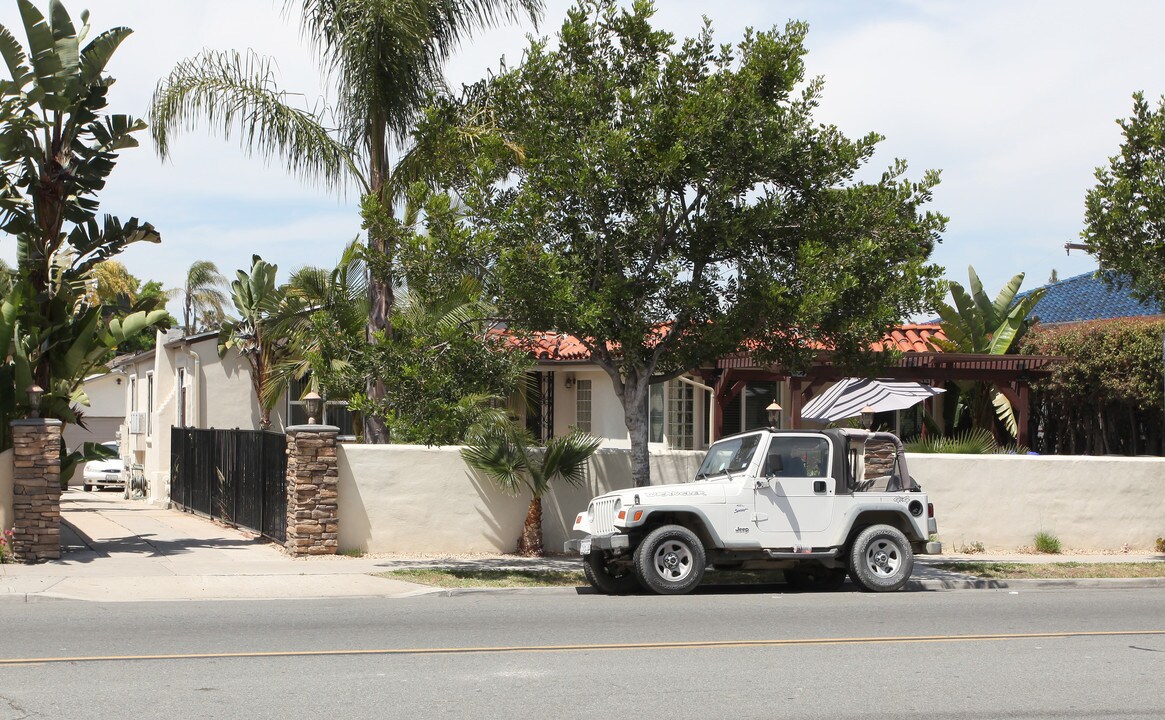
604,520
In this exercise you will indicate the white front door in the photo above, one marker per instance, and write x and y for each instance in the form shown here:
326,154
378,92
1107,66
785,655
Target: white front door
798,499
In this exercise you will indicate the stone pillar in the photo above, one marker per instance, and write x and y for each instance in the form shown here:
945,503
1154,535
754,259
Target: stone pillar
312,477
36,489
880,456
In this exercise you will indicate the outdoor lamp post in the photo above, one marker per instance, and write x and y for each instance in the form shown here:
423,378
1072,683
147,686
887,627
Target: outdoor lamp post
774,414
312,403
34,394
868,417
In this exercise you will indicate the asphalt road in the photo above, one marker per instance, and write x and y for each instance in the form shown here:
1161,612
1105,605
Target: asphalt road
968,654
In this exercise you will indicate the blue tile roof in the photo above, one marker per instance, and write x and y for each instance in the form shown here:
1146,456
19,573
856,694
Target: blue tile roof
1086,297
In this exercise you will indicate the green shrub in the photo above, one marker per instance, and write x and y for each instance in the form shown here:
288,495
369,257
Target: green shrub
977,441
1161,545
1048,543
972,548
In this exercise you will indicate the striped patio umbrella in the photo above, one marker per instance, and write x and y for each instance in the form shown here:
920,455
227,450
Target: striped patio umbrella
846,398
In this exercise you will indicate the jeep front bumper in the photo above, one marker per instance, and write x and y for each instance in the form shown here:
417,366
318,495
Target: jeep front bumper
584,546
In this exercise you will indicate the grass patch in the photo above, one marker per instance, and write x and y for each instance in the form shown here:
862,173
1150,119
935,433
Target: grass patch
1056,571
1047,543
457,578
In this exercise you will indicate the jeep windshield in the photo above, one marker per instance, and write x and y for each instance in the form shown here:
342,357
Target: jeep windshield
729,456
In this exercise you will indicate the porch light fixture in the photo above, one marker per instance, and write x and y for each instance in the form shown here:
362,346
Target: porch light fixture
34,395
568,383
868,417
312,403
774,414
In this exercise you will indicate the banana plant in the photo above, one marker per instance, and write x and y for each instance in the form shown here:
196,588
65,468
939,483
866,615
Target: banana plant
58,147
976,324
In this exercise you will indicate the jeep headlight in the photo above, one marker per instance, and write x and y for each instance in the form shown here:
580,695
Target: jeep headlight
618,504
591,513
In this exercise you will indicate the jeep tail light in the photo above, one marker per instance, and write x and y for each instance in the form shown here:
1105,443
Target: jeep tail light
930,510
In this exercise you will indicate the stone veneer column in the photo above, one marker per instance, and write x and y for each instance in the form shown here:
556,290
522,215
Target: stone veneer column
312,477
36,489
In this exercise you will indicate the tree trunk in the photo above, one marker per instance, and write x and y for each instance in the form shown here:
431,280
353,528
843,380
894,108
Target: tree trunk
635,417
377,221
530,542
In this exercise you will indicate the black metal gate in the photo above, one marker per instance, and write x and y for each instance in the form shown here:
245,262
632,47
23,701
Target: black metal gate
237,476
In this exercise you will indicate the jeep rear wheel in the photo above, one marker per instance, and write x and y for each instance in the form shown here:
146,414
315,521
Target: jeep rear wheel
603,579
881,559
670,560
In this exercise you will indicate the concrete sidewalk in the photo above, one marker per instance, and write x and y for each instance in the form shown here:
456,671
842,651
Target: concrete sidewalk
114,550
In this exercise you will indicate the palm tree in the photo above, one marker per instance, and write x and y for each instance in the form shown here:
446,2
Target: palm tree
385,59
508,455
257,300
975,324
318,302
202,300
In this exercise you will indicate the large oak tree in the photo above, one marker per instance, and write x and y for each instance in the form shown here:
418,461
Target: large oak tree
667,202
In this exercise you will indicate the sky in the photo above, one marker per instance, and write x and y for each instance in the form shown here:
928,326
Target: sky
1015,102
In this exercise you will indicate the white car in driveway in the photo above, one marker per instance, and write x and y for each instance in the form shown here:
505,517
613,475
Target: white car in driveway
104,473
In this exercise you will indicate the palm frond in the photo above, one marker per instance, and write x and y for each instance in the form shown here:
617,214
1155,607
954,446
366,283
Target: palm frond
236,93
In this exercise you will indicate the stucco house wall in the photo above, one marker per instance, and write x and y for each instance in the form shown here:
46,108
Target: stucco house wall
192,387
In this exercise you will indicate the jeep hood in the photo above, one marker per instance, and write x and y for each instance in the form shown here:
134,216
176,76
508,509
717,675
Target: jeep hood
701,493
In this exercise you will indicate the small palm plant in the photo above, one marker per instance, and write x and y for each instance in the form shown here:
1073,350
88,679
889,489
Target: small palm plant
509,456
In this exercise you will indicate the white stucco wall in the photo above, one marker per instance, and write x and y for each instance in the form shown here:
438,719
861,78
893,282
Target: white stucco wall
1002,501
412,499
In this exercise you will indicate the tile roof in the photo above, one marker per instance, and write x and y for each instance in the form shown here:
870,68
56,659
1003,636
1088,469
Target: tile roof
1086,297
912,338
906,338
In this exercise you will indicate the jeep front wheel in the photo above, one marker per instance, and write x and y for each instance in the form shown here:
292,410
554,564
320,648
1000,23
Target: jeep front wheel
881,559
670,560
602,578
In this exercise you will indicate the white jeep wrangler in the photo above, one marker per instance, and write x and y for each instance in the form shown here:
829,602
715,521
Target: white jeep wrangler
806,502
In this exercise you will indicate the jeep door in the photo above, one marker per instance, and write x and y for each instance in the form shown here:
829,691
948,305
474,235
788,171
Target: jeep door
796,492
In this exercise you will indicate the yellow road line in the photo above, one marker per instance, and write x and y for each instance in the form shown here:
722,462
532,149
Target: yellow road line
586,648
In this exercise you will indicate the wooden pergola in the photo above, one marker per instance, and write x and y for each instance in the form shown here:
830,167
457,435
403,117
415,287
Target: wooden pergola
1011,374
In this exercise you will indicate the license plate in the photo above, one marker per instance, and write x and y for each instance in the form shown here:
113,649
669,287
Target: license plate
112,477
584,547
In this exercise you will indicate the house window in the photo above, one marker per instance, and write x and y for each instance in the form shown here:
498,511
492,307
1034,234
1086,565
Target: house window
181,397
582,405
656,407
149,403
749,409
671,414
681,415
335,412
